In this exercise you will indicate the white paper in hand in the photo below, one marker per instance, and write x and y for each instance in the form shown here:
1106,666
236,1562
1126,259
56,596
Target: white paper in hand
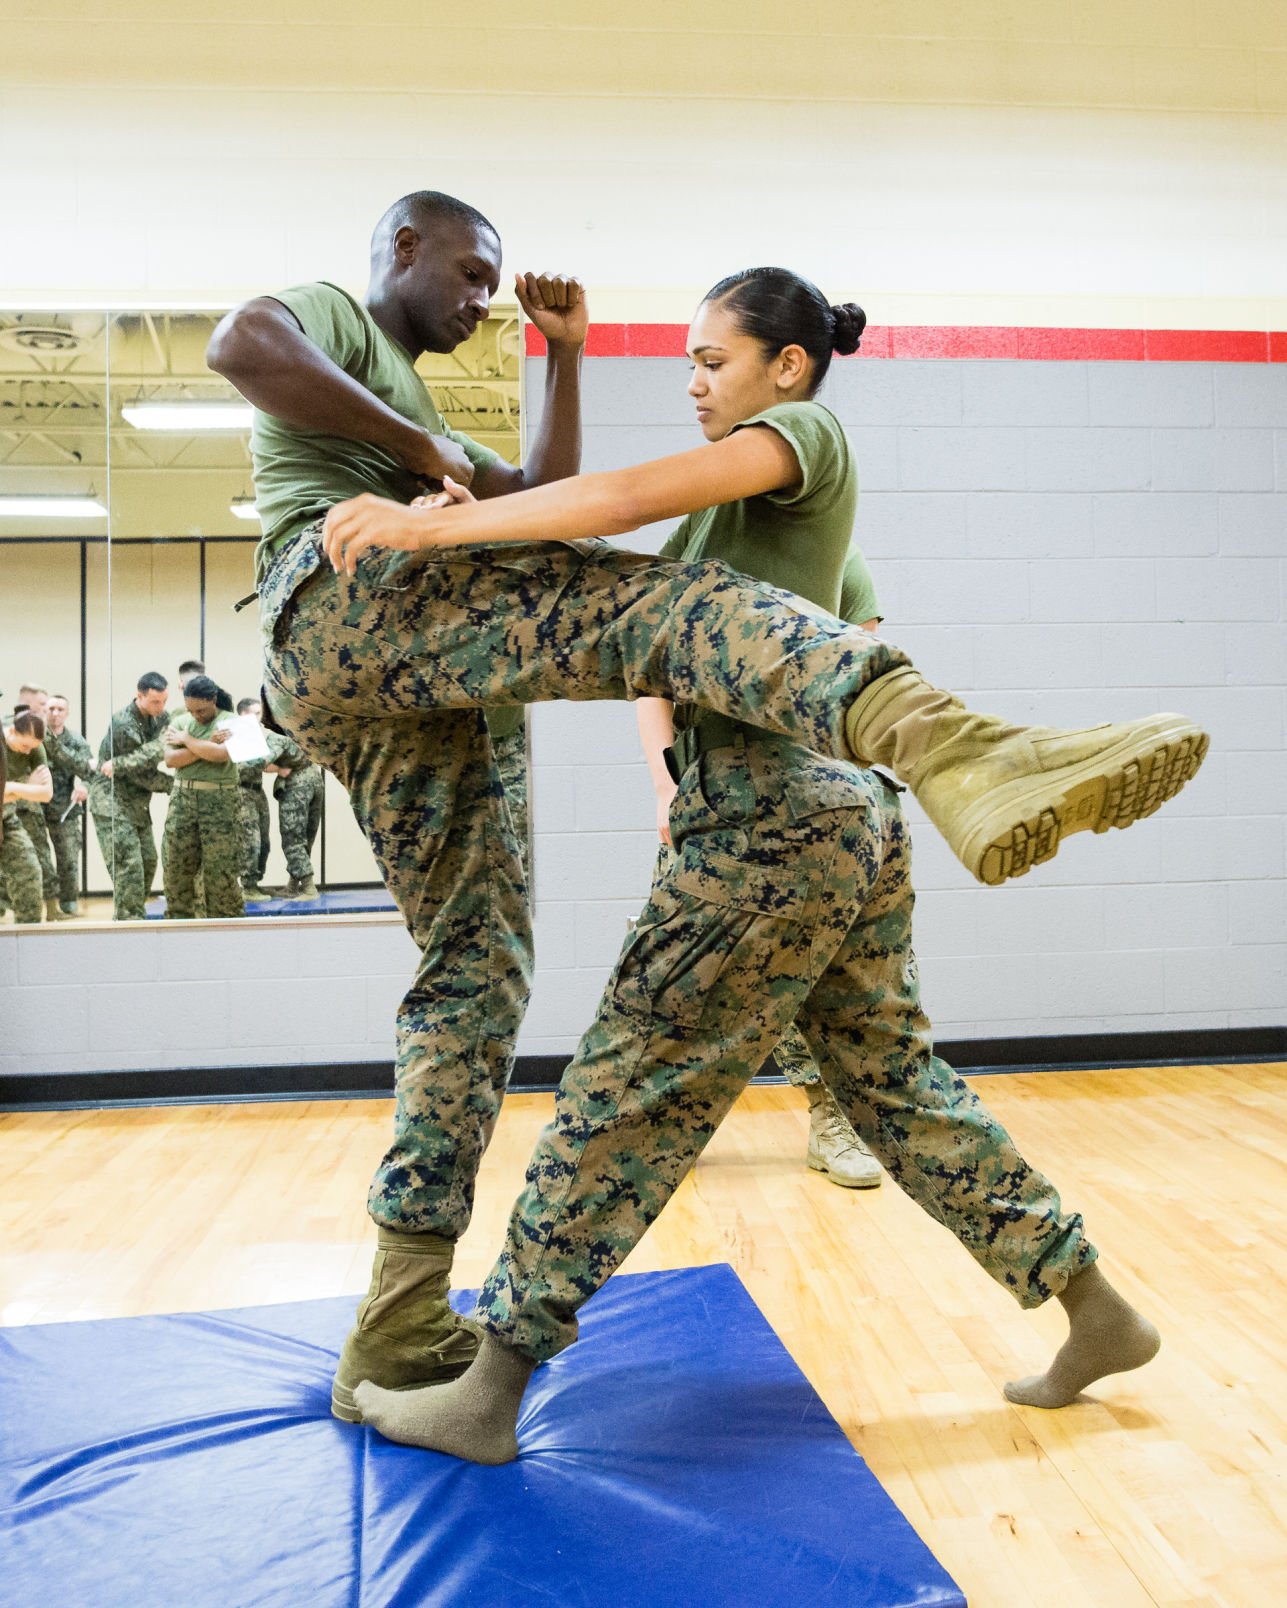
248,740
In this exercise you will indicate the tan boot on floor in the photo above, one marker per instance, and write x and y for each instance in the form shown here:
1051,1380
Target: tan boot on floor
405,1334
1005,797
834,1147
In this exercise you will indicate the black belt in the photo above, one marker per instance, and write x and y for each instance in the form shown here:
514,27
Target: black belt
712,731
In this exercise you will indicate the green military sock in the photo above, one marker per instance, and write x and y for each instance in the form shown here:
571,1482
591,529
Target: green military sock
1106,1335
475,1418
405,1334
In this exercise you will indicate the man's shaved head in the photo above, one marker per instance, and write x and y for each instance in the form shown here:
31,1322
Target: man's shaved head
420,211
435,266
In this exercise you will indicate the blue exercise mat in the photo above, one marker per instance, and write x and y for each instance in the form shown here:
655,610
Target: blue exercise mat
332,902
675,1456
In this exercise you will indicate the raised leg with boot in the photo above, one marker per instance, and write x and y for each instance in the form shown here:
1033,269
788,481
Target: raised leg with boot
1005,797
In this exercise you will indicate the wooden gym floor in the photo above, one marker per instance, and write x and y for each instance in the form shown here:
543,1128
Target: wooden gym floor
1169,1487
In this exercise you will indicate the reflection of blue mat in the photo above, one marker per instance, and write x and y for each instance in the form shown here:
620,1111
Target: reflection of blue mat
334,902
675,1456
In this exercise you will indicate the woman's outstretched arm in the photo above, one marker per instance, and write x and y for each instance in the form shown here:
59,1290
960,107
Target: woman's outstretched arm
746,463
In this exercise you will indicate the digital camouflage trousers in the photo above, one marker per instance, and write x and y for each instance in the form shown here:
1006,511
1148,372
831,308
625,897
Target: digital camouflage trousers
20,878
252,805
66,837
381,678
299,816
202,849
124,830
32,817
789,899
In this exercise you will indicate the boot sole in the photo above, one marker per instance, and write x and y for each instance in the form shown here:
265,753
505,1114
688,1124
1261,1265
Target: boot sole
1025,824
345,1408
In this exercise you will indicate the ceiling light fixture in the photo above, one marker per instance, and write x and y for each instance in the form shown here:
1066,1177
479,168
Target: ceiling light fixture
45,507
243,508
185,417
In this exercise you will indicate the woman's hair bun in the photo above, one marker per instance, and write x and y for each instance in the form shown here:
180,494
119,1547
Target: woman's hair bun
850,321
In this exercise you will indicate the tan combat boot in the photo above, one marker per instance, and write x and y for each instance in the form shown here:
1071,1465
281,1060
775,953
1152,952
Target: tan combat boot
405,1334
834,1147
300,888
1005,797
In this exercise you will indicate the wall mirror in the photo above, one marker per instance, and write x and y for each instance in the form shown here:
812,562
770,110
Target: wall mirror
127,537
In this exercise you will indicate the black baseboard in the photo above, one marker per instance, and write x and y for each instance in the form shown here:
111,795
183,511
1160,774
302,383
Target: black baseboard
374,1079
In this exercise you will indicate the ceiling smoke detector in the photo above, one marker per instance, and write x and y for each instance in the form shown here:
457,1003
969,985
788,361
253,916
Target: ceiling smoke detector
41,338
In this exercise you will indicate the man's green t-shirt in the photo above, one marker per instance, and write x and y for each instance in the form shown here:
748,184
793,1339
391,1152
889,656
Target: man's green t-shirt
796,539
206,770
300,474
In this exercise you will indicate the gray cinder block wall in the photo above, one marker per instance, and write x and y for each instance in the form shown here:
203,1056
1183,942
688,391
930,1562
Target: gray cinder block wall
1068,542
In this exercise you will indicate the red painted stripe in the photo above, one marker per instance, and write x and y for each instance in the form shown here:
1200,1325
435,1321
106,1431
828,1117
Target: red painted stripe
1206,346
1085,345
980,341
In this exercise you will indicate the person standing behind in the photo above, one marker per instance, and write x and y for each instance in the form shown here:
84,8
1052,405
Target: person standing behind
253,802
203,826
71,764
834,1147
26,782
31,704
120,795
298,792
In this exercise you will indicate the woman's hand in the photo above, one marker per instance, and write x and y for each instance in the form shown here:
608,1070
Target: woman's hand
364,522
665,798
452,492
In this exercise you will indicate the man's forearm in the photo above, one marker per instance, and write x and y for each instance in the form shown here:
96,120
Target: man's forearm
556,452
280,371
179,758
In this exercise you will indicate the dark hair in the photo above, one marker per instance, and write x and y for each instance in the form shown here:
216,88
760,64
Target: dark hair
195,665
152,681
778,308
208,690
244,703
30,724
421,209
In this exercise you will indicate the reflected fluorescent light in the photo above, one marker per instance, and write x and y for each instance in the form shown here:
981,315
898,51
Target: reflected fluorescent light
185,416
51,508
244,508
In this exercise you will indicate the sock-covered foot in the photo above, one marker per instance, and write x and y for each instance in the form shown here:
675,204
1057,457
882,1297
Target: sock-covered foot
1106,1335
476,1417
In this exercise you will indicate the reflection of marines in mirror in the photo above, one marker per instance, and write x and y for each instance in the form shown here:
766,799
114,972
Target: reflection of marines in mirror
71,763
27,785
340,410
203,826
120,795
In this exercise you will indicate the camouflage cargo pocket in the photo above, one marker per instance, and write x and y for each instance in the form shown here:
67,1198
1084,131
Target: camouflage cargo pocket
715,933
